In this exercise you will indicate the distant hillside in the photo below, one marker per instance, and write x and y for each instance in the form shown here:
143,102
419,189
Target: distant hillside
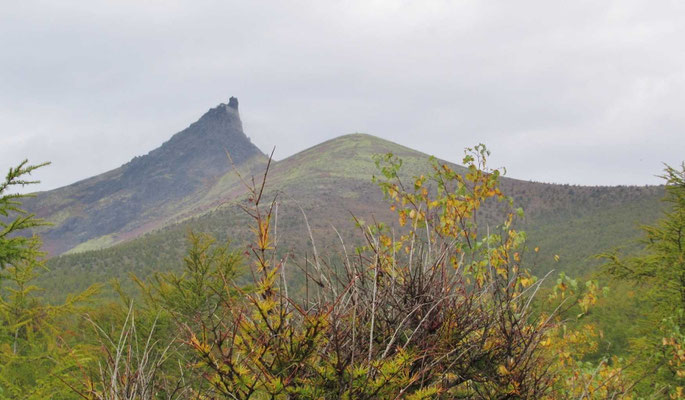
331,182
150,191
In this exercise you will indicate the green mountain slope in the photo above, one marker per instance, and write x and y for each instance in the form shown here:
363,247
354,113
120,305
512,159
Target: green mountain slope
331,182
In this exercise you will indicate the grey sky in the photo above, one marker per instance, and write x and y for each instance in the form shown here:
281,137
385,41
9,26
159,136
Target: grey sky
580,92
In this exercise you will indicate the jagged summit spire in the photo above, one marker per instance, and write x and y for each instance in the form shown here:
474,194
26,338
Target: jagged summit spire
233,102
223,111
153,187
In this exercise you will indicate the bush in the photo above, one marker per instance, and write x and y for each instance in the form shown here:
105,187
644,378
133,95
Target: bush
432,308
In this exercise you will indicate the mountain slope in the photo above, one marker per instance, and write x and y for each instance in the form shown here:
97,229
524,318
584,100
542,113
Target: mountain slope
149,191
331,182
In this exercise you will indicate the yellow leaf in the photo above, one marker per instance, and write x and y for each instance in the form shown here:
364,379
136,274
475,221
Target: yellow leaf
402,218
525,282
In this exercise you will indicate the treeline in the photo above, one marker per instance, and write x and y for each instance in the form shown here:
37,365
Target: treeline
432,305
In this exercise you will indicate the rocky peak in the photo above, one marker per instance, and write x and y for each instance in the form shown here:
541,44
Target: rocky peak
223,112
233,103
200,148
151,185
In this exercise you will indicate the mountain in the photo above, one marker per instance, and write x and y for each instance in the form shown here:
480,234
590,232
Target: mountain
150,191
196,189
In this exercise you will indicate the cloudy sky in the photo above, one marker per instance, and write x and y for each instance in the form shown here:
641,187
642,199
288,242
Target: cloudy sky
582,92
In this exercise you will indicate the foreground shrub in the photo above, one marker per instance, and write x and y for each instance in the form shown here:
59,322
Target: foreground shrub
434,306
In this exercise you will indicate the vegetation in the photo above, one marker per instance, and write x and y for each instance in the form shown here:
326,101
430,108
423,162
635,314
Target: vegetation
37,360
658,277
437,303
332,181
15,249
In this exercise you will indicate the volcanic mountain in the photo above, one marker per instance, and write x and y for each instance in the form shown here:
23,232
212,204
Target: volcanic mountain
136,217
150,190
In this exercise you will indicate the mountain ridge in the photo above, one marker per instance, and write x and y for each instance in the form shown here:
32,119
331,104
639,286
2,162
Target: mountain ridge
331,181
328,182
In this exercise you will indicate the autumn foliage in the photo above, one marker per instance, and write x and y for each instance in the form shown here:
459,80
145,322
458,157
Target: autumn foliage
434,306
437,304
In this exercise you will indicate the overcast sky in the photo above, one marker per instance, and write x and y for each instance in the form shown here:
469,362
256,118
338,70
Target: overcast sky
584,92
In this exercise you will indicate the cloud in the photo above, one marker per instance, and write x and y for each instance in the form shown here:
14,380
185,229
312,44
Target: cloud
577,92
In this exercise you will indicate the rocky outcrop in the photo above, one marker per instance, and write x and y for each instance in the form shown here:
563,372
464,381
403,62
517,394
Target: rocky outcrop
148,186
233,103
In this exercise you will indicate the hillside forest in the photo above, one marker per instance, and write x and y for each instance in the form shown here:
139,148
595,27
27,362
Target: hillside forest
444,299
